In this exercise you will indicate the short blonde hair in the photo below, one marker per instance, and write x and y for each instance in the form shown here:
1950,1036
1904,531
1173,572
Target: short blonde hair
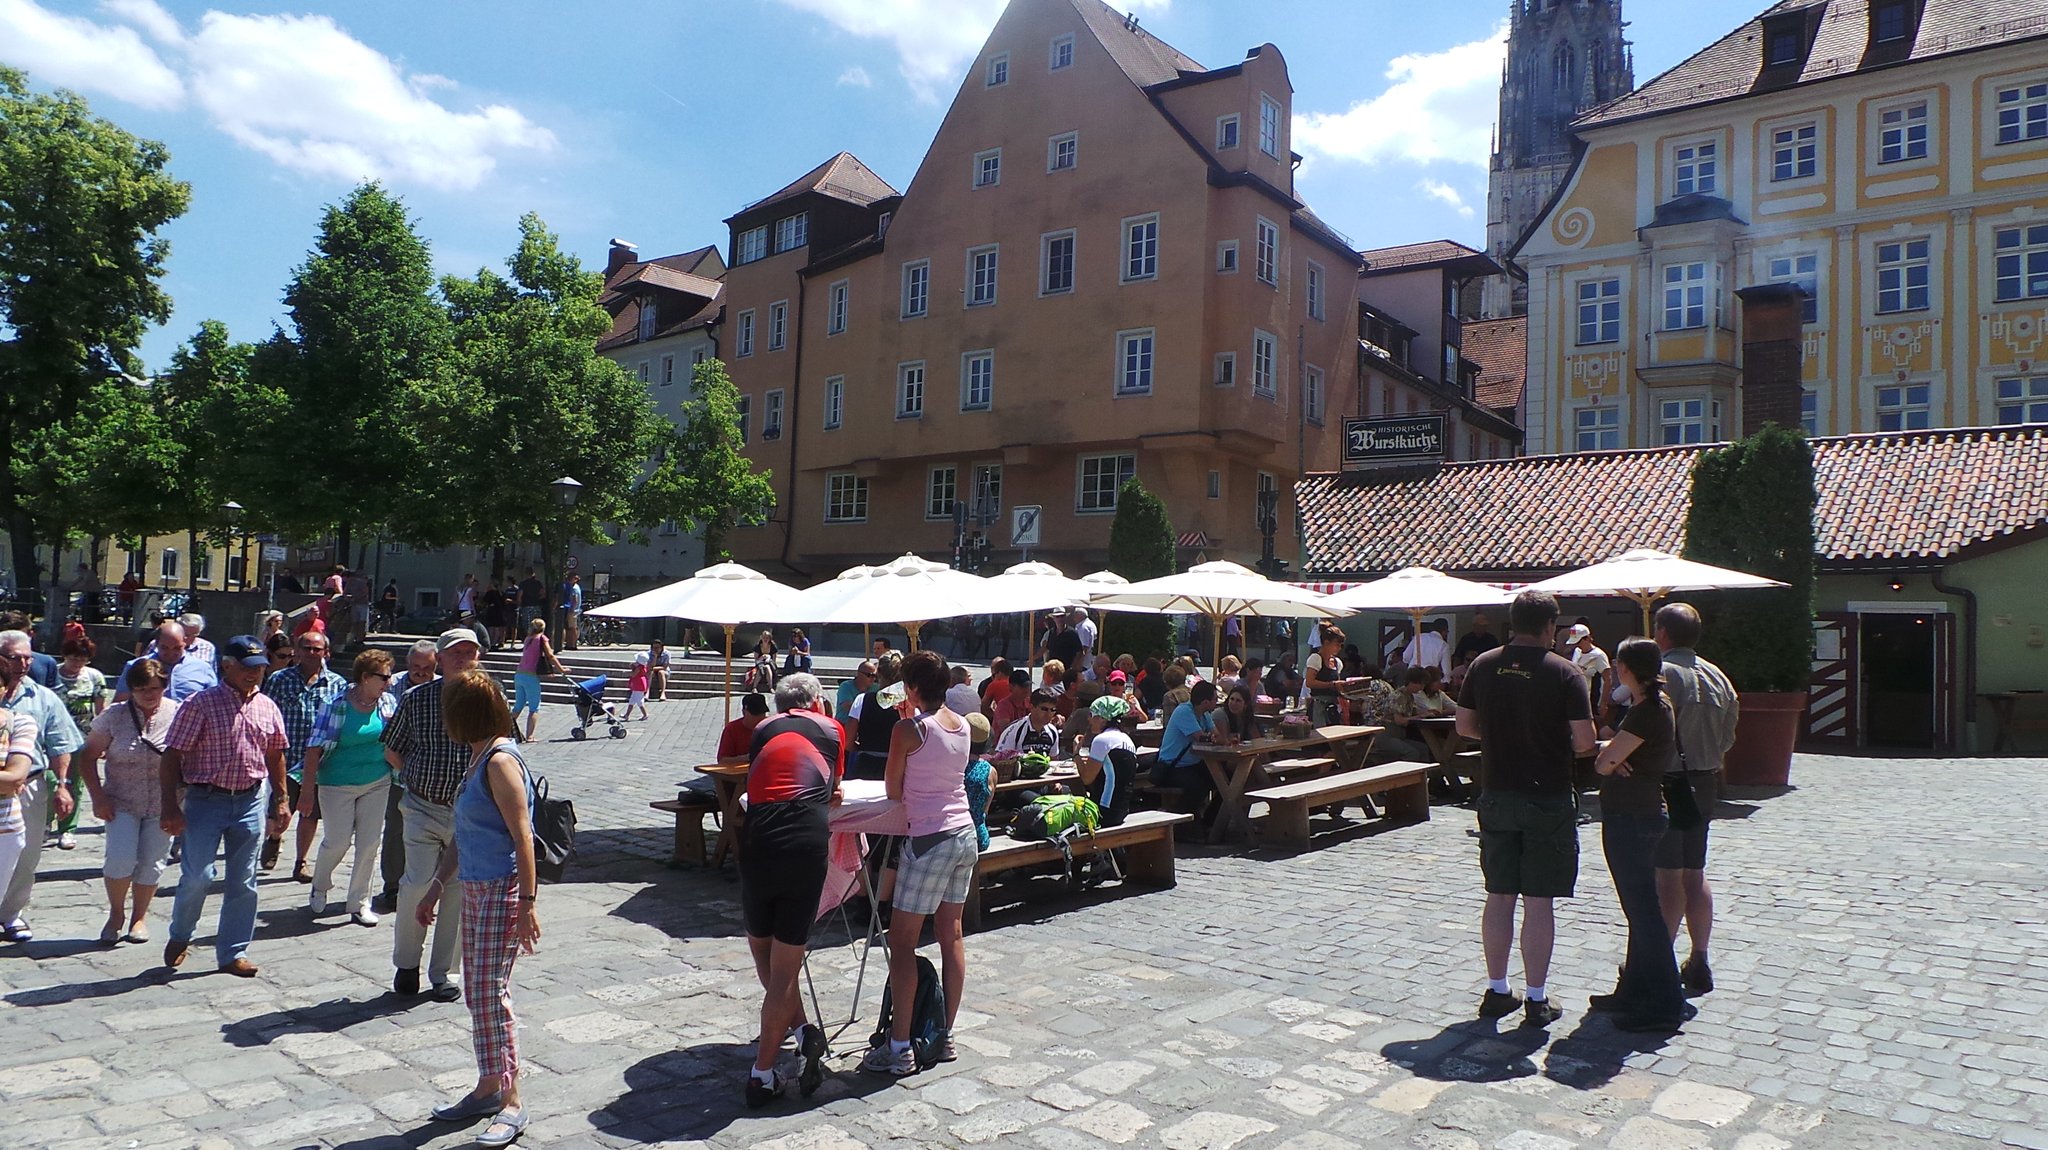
473,708
1055,668
1231,666
372,662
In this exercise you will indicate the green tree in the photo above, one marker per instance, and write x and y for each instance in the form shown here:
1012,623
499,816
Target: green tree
1752,510
701,479
1140,547
368,341
81,201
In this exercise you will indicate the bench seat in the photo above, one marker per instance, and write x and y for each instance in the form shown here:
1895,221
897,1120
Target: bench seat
689,811
1405,785
1145,837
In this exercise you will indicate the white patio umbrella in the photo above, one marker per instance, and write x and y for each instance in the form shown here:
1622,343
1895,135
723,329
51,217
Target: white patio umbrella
1646,576
1219,590
1031,587
1101,583
728,594
1419,591
909,591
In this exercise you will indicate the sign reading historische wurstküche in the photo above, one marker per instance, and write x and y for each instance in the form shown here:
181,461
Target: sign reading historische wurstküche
1394,439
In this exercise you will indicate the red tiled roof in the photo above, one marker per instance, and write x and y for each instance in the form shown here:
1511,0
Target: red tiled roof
1731,66
1426,254
1501,349
1912,499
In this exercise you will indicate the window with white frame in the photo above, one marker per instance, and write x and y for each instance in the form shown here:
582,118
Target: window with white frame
1795,152
649,313
1685,296
389,549
1696,420
988,168
917,288
778,325
999,70
2023,400
792,232
1264,351
1141,248
1904,407
1809,411
1802,268
238,570
1226,369
2021,254
835,401
1597,428
1266,253
1226,132
771,415
1056,263
836,299
941,491
1102,476
1599,311
2023,113
977,380
988,486
1695,168
910,390
427,598
1312,394
668,370
202,566
1062,152
981,276
1269,126
1134,362
1904,273
1226,256
669,529
698,355
1062,53
743,342
1315,290
751,245
846,498
1902,133
744,406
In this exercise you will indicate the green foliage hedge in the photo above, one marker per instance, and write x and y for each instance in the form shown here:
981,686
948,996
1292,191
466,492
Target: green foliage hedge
1752,510
1141,546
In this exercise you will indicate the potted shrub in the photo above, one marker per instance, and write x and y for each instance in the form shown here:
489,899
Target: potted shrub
1752,510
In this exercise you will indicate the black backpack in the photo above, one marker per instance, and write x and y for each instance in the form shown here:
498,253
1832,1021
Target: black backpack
927,1016
554,823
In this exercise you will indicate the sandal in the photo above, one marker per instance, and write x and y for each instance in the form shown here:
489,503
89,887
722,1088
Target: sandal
505,1129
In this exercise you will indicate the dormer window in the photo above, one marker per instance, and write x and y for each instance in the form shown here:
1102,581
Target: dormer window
647,317
1786,39
1891,21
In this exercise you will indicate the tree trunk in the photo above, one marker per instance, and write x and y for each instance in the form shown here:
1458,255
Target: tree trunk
341,541
498,565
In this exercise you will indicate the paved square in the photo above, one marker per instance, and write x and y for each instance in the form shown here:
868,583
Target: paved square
1882,955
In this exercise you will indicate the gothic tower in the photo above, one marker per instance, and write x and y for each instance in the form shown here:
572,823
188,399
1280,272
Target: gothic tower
1564,56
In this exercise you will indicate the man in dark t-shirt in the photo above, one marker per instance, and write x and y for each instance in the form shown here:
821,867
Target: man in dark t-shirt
1528,708
1479,640
795,764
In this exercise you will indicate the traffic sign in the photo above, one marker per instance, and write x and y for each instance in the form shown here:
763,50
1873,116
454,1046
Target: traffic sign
273,552
1024,525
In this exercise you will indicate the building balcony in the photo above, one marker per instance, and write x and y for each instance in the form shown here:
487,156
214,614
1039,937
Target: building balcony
1691,356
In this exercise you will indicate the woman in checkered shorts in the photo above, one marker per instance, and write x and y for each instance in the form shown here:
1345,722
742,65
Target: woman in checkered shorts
493,857
927,772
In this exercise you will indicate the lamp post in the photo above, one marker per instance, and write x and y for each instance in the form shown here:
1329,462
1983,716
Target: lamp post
231,514
566,489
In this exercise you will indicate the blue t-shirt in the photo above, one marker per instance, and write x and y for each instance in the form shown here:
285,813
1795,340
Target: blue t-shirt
1181,728
189,676
483,844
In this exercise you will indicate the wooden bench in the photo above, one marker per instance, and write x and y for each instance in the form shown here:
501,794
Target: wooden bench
689,809
1405,785
1145,837
1292,770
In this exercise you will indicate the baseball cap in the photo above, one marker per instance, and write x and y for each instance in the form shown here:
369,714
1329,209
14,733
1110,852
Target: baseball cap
1576,632
1119,677
246,650
454,635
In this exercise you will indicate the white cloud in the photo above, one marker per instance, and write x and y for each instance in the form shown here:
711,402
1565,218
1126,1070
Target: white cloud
73,52
934,39
1438,190
856,77
1439,106
149,16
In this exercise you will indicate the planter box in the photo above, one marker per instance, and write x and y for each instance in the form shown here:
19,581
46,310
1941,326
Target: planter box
1764,737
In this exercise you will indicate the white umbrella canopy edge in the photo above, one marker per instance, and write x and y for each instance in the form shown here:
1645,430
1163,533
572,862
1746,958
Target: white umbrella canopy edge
1220,589
728,594
1420,588
1646,575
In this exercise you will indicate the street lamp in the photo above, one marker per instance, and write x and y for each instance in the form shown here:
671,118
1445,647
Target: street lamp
566,489
231,514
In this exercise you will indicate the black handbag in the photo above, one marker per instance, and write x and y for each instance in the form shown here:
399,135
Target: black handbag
1680,803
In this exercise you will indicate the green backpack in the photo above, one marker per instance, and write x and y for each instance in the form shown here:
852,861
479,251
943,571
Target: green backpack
1052,816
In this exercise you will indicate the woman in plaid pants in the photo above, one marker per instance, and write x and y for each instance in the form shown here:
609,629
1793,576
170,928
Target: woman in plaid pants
493,858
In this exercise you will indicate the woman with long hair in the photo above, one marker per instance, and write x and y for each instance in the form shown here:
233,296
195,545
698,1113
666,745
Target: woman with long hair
1632,766
1239,722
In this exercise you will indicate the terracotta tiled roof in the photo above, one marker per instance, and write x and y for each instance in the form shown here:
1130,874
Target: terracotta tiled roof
1425,254
1145,58
658,276
843,177
1913,499
1501,349
1730,67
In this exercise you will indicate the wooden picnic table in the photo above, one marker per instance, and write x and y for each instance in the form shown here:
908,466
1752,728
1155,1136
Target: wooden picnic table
1232,768
1056,775
730,777
1441,736
2003,704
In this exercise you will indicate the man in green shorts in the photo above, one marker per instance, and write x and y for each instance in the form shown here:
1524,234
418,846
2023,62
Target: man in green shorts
1529,709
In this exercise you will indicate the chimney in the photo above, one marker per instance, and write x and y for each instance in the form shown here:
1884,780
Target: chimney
622,253
1772,342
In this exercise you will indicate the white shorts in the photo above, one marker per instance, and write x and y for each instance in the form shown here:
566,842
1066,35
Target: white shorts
636,698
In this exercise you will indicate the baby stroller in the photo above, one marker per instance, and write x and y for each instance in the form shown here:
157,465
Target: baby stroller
590,704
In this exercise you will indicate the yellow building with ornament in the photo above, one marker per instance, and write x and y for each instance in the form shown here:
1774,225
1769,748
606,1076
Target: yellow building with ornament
1889,156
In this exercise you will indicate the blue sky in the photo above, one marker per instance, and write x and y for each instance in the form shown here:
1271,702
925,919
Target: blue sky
653,122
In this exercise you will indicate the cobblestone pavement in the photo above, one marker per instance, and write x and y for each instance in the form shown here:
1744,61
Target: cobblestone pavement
1880,955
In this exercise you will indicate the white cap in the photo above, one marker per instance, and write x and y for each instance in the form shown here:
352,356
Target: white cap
1577,632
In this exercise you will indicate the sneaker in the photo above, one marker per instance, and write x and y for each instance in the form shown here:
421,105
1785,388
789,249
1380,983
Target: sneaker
761,1093
316,902
1541,1014
67,841
1695,975
364,916
1499,1003
883,1059
811,1045
946,1051
407,981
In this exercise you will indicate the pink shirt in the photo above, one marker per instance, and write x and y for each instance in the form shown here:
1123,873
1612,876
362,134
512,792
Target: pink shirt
529,655
935,780
225,738
21,740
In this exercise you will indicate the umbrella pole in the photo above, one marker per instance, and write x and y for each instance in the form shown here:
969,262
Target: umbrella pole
1217,621
1644,599
866,644
913,628
728,672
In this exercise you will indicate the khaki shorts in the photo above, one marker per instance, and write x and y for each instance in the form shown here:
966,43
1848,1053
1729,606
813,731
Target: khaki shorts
1528,845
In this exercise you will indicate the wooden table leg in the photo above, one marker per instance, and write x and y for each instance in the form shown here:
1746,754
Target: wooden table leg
1351,755
1235,814
2001,709
729,814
